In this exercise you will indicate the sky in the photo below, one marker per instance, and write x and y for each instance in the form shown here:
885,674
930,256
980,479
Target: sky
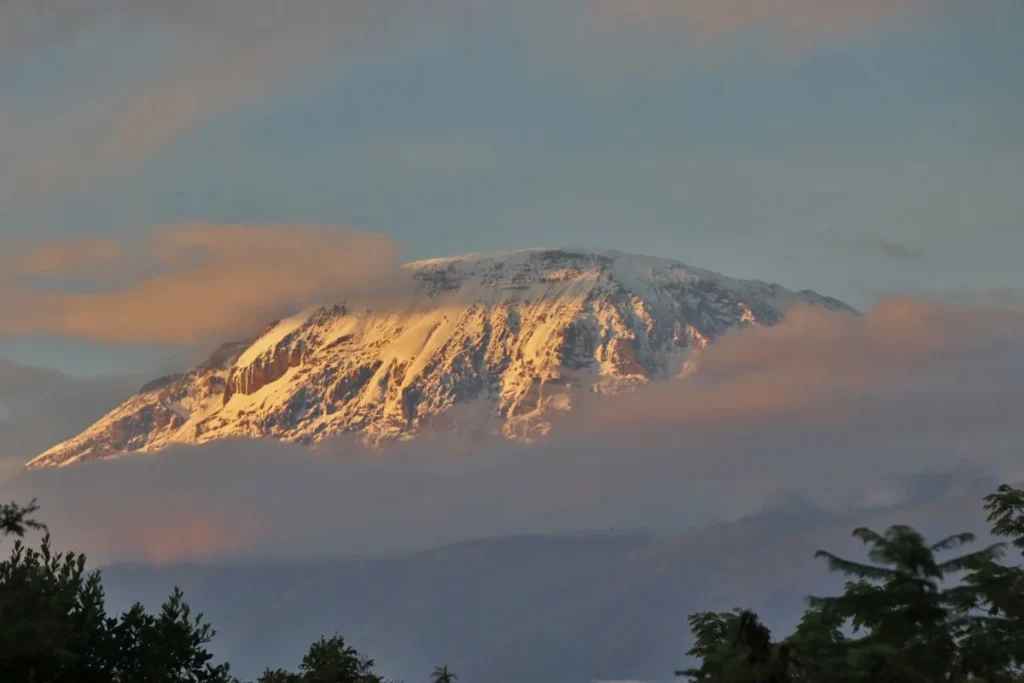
859,149
174,174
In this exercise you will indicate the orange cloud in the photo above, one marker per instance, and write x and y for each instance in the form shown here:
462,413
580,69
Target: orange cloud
236,52
186,283
165,541
170,535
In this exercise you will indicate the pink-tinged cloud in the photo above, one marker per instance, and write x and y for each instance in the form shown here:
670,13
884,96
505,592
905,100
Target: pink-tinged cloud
234,52
160,538
183,284
799,22
826,367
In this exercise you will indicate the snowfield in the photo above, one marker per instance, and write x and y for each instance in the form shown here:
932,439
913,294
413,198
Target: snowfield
520,331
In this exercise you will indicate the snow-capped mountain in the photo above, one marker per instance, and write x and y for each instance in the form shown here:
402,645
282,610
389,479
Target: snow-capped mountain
516,331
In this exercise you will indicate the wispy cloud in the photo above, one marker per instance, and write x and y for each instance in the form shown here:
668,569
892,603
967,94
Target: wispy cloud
231,52
897,251
183,284
40,407
228,53
429,160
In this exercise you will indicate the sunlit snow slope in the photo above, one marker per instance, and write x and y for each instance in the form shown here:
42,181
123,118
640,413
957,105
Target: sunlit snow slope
517,331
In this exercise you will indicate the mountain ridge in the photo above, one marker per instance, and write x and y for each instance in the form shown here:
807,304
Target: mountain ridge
516,331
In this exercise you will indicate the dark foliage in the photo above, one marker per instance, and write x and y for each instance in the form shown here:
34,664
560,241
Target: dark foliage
16,520
897,621
54,629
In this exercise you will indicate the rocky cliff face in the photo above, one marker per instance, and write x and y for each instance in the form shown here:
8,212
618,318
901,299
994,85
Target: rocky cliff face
519,331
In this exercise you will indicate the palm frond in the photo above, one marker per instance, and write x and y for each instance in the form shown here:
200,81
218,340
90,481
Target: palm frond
970,619
847,606
864,571
952,542
866,535
971,560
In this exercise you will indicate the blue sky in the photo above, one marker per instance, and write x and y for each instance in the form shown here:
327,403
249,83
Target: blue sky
872,152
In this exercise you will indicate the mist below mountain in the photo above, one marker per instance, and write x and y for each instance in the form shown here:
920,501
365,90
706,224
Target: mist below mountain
546,609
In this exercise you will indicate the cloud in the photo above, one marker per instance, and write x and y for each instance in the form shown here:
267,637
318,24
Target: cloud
899,251
16,379
819,366
41,407
188,283
229,52
841,411
800,23
451,160
29,25
1007,298
197,60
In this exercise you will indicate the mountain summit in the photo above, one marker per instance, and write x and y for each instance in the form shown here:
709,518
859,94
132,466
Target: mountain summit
517,331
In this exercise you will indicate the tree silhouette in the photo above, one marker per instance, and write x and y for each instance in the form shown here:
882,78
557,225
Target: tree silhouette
54,627
331,660
896,621
912,624
1006,514
442,674
736,647
16,520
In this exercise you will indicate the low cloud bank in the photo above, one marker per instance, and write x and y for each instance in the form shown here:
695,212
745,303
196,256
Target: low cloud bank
912,400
